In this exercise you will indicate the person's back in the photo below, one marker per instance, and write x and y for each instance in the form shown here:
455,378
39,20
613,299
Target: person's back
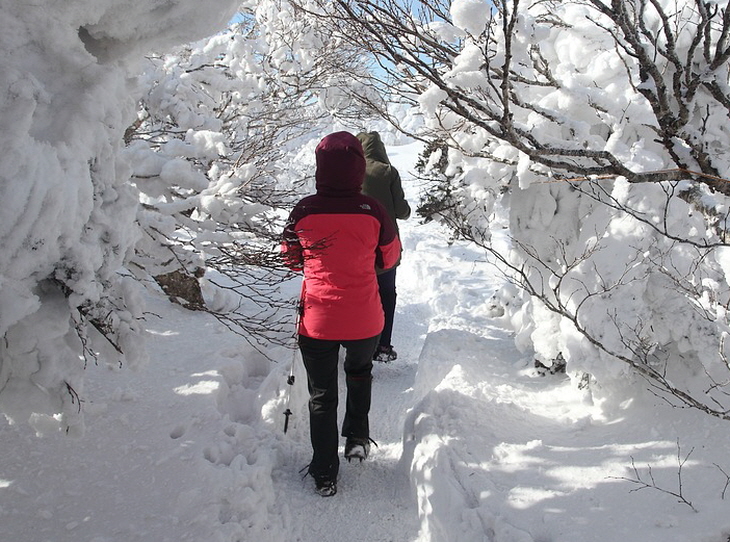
382,180
335,236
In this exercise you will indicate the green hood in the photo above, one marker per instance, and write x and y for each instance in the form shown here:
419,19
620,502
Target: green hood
373,147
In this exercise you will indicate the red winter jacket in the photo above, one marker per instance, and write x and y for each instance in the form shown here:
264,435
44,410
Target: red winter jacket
337,237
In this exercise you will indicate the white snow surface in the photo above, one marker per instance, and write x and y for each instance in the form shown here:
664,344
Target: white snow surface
473,444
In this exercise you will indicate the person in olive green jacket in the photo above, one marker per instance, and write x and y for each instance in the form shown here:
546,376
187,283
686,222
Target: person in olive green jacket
383,183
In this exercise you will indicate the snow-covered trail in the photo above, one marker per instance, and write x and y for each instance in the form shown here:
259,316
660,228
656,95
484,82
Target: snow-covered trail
375,501
441,285
191,448
474,446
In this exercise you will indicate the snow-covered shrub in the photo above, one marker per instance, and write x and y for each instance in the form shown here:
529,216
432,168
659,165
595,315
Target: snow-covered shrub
67,210
624,268
628,272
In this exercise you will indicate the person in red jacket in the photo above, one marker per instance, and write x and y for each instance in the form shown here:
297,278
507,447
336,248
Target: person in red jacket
338,237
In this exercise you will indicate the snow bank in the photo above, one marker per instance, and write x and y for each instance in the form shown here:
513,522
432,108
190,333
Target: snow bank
498,453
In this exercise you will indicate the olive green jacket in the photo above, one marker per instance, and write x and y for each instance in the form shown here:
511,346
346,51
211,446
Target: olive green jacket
382,180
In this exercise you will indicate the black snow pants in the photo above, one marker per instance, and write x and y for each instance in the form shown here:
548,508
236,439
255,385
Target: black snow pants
388,296
321,362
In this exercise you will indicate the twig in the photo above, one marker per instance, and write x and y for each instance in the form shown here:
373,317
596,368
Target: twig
75,397
651,484
727,480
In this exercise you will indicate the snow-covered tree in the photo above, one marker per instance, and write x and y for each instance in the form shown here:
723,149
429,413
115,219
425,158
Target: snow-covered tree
213,155
67,208
94,199
603,126
222,143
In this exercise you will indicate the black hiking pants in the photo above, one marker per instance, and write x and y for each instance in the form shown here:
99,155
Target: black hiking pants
321,361
388,296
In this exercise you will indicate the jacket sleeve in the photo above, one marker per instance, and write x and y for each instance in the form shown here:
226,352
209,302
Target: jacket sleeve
291,247
389,247
400,204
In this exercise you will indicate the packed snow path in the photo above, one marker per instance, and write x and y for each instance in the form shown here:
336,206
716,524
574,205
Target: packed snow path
375,499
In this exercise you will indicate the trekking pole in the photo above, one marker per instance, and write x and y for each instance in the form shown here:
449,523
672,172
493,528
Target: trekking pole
290,382
290,379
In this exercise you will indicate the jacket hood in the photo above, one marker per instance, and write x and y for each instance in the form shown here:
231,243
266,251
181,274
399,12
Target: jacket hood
373,147
340,165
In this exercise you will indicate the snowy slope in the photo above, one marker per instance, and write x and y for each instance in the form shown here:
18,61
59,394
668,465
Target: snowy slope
473,445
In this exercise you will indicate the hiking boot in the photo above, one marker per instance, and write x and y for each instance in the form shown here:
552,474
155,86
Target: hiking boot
357,448
385,354
325,486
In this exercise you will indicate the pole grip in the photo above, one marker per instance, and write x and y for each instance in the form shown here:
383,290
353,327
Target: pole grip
287,413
